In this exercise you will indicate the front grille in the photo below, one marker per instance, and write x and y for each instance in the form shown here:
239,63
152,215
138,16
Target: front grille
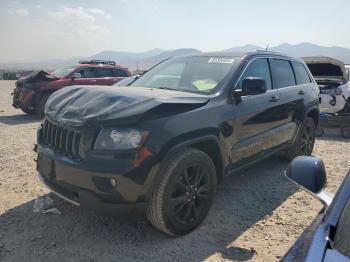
61,140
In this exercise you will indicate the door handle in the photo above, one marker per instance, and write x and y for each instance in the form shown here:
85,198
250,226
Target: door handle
301,92
274,98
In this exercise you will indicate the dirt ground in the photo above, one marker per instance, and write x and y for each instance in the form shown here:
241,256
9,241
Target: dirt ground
256,215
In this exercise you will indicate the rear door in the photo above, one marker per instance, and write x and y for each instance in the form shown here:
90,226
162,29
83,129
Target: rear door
292,109
104,75
257,117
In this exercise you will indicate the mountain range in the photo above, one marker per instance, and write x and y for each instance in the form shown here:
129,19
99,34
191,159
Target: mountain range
144,60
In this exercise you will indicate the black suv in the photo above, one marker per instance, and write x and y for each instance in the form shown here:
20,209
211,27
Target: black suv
160,145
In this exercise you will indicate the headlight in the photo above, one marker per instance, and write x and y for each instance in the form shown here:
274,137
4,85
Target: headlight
332,92
119,139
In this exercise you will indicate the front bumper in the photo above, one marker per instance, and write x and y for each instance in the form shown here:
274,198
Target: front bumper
87,182
23,98
88,200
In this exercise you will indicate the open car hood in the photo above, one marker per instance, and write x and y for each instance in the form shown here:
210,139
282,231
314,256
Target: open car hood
38,75
326,69
94,105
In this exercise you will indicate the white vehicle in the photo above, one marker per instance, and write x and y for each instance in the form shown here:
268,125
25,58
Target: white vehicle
332,77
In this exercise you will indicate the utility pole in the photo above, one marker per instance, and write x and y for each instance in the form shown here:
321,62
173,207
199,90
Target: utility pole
267,47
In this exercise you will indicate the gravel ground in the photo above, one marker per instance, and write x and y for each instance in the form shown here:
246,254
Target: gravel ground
257,214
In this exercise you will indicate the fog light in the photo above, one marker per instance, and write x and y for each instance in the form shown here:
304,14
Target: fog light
113,182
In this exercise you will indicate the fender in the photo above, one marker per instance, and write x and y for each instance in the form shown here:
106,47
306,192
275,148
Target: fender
173,146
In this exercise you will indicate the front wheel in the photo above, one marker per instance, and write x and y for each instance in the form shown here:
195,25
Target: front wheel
185,193
304,144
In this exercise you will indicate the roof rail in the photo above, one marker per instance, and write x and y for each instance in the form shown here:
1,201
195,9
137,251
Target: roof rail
96,62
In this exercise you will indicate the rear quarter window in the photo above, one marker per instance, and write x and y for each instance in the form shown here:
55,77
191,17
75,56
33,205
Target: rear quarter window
301,75
119,73
282,73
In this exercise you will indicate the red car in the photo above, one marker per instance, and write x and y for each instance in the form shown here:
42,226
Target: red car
33,90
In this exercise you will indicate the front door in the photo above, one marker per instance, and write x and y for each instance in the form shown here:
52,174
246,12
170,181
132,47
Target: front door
258,118
87,77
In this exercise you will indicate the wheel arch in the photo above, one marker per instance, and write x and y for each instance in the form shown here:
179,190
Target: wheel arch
207,143
314,113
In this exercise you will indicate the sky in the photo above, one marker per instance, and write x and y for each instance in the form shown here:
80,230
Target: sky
34,30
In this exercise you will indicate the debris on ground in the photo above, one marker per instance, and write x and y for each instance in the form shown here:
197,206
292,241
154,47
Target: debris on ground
42,204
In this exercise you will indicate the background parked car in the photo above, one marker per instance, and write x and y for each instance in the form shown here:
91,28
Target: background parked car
327,238
332,77
32,91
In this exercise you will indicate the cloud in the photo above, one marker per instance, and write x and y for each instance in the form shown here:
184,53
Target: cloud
19,12
78,13
80,21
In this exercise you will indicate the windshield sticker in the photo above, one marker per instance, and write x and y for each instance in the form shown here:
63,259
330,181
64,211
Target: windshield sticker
221,60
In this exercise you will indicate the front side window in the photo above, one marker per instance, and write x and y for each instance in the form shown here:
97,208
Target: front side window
191,74
258,68
86,72
301,74
282,73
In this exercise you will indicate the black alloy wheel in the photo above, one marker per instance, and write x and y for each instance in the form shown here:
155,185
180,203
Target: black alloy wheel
190,194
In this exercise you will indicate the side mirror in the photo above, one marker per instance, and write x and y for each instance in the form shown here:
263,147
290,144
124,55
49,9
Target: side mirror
251,86
76,75
310,174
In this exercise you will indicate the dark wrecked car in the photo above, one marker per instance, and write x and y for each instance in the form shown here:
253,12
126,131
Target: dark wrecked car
160,146
327,238
33,90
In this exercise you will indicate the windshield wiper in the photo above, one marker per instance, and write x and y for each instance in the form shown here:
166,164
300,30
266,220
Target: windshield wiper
167,88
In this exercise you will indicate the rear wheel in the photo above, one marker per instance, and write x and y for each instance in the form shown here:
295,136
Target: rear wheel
305,142
40,105
185,193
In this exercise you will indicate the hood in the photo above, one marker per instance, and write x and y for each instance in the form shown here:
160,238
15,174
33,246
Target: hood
91,105
36,76
326,69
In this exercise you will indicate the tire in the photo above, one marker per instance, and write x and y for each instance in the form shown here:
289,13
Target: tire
185,193
40,105
345,132
28,111
305,142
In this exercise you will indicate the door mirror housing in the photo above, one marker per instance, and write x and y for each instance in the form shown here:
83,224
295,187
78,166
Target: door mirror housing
308,172
251,86
75,75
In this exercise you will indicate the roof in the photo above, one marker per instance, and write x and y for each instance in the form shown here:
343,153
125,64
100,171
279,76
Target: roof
99,65
243,54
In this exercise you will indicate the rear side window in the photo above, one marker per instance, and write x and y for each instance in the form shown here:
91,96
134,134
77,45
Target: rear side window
119,73
104,72
301,74
258,68
282,73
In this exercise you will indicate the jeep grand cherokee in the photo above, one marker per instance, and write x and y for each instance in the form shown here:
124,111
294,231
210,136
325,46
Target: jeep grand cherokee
160,146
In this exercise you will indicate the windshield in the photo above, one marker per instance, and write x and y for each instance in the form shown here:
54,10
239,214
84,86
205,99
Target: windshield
126,81
192,74
64,71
